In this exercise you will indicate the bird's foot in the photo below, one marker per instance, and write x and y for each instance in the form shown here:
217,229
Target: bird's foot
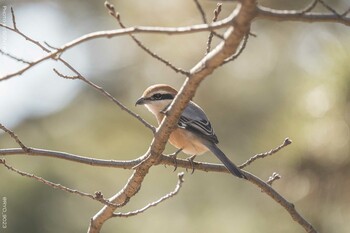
191,159
174,156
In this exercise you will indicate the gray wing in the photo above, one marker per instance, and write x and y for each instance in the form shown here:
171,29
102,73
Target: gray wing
194,119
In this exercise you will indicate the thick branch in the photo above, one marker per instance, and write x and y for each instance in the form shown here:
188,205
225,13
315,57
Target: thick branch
241,19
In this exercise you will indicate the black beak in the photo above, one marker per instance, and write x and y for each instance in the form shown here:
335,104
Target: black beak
140,101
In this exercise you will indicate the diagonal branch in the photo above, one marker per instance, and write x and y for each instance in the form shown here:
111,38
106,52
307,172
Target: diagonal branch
15,137
153,204
97,197
239,52
285,143
215,18
116,15
78,74
14,57
103,91
328,7
241,18
201,11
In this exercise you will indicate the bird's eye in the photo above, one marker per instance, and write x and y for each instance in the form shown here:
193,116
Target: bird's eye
157,96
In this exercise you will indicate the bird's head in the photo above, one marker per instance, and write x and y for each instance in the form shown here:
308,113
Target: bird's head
157,97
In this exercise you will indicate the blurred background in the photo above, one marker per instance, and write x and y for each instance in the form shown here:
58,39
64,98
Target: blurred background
293,80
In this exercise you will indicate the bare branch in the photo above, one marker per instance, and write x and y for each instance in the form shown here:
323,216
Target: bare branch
328,7
97,197
201,11
346,13
237,30
301,16
129,164
78,74
244,13
66,76
103,91
216,15
239,52
286,142
116,15
13,19
309,7
275,176
15,29
122,197
15,137
14,57
289,207
119,32
153,204
50,46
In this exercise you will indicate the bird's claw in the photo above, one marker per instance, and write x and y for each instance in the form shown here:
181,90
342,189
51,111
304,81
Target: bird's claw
174,156
190,160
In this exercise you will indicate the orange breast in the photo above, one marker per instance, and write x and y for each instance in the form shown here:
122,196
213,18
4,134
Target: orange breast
187,141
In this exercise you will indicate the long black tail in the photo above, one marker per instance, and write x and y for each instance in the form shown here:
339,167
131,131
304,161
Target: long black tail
226,161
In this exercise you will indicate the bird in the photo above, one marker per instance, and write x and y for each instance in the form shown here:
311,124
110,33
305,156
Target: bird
194,134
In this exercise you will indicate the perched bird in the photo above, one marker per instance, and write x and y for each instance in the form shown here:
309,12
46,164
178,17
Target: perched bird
194,134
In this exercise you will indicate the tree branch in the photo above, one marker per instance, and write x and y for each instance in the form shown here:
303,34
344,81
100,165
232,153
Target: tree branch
119,32
215,18
116,15
301,16
104,92
14,57
15,137
78,74
242,17
238,24
97,197
286,142
153,204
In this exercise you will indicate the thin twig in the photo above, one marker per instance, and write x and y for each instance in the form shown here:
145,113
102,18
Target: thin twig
286,142
153,204
301,16
328,7
98,195
78,74
13,19
119,32
309,7
15,137
239,52
215,18
15,29
15,58
125,164
66,76
275,176
104,92
116,15
50,46
201,11
345,13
